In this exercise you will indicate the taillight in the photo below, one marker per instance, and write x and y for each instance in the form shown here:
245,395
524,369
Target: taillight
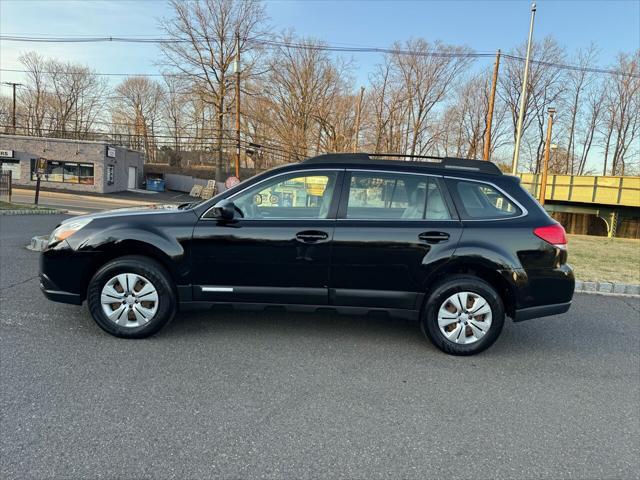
553,234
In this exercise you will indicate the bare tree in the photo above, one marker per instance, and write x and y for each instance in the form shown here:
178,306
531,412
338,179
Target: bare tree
544,88
626,122
593,114
34,96
175,109
301,88
407,91
6,111
426,76
136,112
60,98
388,103
577,81
464,123
204,48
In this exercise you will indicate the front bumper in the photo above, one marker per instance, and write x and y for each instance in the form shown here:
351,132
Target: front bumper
64,273
540,311
54,293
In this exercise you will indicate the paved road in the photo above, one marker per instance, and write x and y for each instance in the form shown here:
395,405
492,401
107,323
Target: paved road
78,204
308,396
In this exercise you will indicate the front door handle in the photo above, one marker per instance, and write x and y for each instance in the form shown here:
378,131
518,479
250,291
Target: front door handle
434,237
311,236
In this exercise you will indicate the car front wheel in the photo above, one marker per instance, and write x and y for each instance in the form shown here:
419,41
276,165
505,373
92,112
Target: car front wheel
463,315
131,297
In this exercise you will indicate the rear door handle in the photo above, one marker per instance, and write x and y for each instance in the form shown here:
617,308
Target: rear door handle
434,237
311,236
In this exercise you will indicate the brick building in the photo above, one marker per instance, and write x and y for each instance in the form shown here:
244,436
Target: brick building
80,165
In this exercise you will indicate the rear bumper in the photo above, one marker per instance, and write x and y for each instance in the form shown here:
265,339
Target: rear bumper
540,311
53,292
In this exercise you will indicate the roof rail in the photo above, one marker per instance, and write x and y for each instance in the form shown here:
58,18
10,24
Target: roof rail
451,163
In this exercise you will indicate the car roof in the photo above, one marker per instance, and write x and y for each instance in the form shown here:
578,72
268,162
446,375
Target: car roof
437,165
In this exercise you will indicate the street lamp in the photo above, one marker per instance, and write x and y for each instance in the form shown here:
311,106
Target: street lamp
547,147
523,96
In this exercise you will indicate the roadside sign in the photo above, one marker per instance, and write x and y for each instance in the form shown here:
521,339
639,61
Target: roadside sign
41,166
111,152
231,182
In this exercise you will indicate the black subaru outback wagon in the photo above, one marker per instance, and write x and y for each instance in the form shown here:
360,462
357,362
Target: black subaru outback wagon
452,243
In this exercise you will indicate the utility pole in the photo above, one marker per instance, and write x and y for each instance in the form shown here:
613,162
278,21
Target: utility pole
492,101
237,67
358,112
14,85
523,94
547,148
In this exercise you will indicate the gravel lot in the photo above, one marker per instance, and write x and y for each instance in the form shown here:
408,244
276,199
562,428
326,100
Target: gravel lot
305,396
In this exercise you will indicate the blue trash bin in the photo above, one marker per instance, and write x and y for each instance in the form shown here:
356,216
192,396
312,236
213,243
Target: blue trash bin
155,184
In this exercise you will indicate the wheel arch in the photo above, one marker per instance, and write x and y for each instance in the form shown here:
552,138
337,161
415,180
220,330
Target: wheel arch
500,279
128,248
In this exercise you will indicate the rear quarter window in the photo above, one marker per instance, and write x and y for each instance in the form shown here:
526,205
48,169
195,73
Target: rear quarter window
482,201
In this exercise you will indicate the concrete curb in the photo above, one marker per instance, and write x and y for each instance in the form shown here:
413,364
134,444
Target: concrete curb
32,211
608,288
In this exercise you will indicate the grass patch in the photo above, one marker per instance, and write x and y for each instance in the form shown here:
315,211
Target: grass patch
15,206
605,259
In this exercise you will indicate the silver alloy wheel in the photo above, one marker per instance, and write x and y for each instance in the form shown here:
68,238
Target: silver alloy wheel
129,300
464,318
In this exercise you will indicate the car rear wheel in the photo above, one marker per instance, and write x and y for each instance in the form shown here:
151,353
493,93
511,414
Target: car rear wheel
131,297
463,315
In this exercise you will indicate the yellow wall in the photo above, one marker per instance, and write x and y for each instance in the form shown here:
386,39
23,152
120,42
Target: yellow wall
581,189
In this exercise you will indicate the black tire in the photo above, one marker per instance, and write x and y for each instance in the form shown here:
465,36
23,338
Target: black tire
439,294
147,268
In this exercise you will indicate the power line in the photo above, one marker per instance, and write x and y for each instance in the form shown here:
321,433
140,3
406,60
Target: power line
268,146
209,132
51,118
303,46
576,68
14,70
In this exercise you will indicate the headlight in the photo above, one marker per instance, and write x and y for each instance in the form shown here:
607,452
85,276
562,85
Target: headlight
67,229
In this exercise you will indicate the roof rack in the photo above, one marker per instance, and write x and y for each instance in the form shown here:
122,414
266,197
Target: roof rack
451,163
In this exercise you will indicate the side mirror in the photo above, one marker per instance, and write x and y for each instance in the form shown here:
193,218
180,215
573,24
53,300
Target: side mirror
224,210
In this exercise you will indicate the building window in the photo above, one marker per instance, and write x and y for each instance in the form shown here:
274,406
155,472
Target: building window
65,172
55,172
12,166
110,169
85,175
70,172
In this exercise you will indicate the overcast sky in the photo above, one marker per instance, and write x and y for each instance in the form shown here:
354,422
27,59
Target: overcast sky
482,25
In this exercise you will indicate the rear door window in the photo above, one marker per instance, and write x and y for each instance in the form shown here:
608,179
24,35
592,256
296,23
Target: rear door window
481,201
395,196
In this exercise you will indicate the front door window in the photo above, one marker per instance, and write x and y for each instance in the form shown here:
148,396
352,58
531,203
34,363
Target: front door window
289,197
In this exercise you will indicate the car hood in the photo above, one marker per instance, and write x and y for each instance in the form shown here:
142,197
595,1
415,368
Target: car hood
129,211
